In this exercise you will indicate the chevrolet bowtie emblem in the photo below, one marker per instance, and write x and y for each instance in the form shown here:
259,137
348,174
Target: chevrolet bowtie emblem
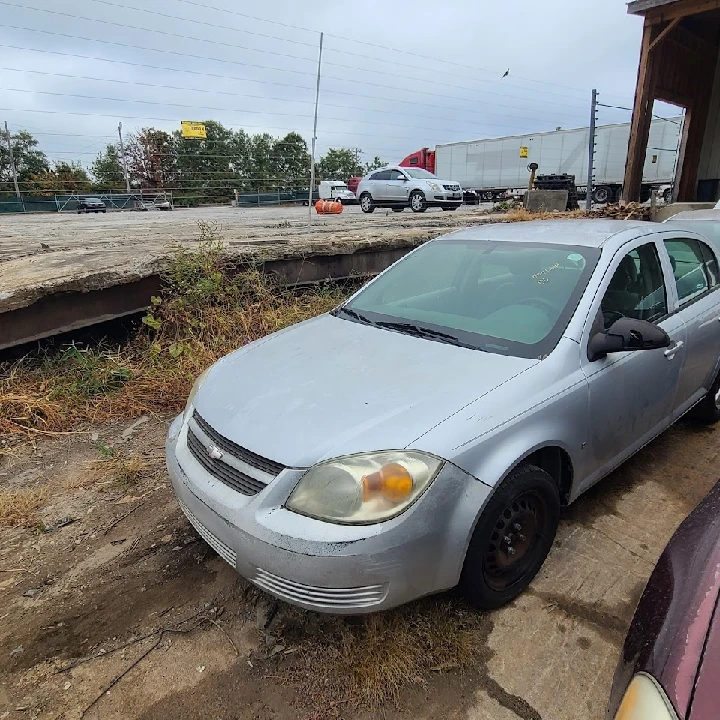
214,452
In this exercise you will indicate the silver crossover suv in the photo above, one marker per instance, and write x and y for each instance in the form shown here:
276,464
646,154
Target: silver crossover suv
427,432
400,187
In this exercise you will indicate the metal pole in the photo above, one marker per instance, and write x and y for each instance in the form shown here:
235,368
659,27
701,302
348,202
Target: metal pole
12,160
124,160
314,137
591,152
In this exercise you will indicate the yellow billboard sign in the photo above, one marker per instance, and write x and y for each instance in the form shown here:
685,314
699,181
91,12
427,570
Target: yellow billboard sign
193,130
523,151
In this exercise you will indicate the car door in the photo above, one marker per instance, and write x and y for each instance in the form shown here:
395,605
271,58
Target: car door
694,267
397,187
631,394
378,185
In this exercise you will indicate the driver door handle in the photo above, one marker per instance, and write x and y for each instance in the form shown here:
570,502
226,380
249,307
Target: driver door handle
670,352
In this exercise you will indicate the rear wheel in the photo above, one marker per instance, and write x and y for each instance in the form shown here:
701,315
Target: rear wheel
512,538
667,196
366,203
418,203
602,194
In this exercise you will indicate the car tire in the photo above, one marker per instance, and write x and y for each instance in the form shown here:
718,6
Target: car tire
398,209
104,211
707,411
418,204
602,194
667,195
366,203
528,499
79,212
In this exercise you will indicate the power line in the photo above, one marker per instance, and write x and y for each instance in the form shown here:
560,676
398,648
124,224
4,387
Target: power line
264,82
299,72
306,44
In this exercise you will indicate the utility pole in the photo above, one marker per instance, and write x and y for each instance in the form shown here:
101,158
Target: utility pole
12,160
124,159
314,137
591,151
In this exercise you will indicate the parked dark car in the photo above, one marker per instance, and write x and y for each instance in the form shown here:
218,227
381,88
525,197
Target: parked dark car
670,663
91,204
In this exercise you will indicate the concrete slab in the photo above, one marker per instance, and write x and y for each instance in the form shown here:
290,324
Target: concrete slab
57,272
546,200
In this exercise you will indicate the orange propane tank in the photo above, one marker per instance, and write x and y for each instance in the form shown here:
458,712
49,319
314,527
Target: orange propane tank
328,207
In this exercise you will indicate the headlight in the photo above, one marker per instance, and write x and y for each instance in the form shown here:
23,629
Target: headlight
364,489
645,700
434,186
196,386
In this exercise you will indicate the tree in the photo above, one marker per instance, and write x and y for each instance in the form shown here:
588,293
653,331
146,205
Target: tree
339,164
64,178
292,160
374,165
207,169
262,173
107,170
151,158
29,160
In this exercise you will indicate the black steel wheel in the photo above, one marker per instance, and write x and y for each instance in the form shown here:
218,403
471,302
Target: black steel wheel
512,538
708,409
667,195
602,194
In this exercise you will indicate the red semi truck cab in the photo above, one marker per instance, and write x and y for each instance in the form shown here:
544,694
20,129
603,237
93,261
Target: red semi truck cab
424,159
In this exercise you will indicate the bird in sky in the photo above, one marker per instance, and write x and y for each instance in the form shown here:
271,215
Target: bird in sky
507,72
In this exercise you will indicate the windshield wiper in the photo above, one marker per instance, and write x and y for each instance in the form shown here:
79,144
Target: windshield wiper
354,314
419,331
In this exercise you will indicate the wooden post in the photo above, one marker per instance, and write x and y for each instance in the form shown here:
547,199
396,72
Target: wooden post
641,118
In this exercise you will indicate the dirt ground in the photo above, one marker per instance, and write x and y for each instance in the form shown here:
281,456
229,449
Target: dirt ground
112,607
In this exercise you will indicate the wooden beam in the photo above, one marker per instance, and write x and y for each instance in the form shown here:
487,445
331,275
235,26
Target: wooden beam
680,9
668,28
641,118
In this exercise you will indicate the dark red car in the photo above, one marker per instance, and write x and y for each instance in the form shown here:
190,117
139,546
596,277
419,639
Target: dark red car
670,665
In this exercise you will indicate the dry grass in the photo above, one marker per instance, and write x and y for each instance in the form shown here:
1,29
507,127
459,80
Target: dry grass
117,468
369,660
19,507
209,308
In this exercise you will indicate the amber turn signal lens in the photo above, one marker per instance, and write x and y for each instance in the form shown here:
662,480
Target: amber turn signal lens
392,481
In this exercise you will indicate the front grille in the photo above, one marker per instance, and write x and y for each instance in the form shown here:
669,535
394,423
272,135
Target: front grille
452,188
364,596
226,553
241,453
232,477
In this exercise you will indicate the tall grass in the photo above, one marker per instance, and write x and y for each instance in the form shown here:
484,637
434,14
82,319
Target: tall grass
208,308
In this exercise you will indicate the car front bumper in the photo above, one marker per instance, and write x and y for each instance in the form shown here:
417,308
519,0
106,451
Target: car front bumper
322,566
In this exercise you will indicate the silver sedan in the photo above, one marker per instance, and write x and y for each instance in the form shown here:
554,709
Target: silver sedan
427,432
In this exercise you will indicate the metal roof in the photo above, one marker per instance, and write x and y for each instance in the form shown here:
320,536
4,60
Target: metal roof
640,7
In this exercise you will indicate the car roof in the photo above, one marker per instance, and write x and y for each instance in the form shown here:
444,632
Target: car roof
588,233
693,215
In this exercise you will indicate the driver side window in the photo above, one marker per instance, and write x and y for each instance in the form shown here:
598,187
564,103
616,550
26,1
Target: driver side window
637,288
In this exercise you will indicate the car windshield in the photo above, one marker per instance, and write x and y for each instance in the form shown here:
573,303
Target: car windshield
418,173
511,298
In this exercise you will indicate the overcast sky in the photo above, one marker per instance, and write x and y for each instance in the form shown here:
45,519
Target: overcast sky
395,76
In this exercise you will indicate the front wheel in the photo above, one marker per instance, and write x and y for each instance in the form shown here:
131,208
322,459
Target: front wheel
602,194
512,538
366,203
708,409
418,203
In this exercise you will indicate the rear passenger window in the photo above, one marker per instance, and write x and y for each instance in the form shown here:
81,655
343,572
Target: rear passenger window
382,175
694,266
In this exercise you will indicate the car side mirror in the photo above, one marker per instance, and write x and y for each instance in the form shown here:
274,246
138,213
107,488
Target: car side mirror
627,334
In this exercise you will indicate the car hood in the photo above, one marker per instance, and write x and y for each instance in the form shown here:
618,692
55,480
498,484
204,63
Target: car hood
329,387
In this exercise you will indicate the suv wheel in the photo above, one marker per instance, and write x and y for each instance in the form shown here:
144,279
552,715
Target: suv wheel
366,203
417,202
512,538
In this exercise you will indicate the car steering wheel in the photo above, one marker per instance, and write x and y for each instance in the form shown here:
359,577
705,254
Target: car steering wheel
545,305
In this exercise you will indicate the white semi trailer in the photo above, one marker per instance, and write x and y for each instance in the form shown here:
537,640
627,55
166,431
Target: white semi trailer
497,166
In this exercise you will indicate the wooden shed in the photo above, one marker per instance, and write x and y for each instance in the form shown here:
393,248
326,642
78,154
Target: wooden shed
679,63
